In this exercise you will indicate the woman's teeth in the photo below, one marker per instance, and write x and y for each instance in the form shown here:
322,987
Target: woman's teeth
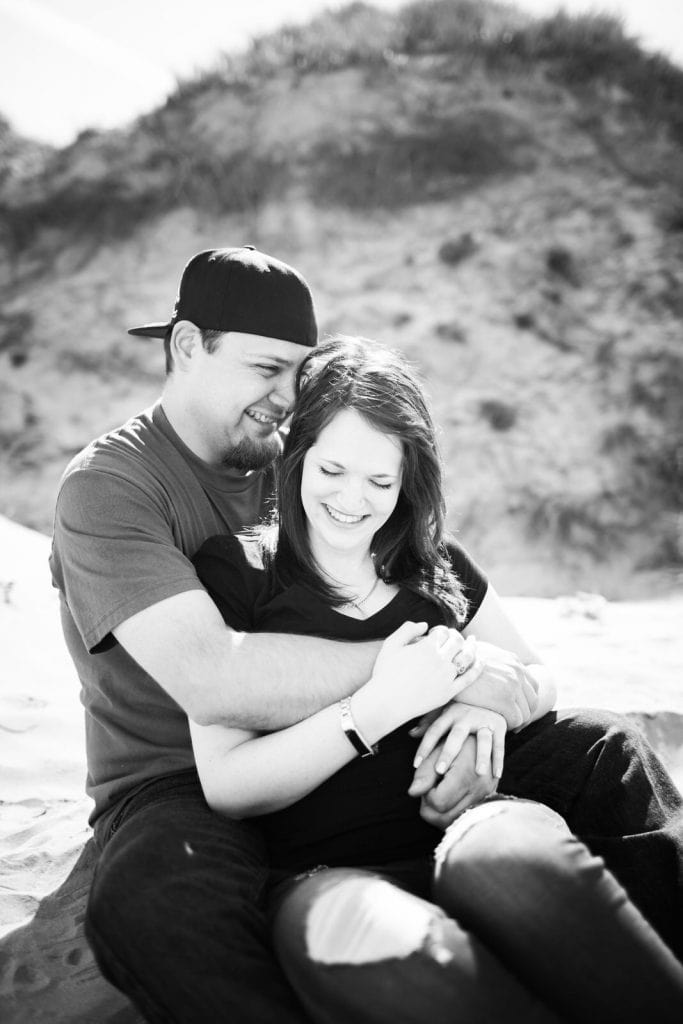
339,517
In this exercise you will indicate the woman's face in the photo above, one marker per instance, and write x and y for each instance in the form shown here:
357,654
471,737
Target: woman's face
350,484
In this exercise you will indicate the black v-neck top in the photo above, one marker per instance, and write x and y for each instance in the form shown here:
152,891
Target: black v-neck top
362,814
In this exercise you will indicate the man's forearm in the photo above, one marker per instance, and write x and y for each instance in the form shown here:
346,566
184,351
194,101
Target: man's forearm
255,681
278,679
498,692
546,690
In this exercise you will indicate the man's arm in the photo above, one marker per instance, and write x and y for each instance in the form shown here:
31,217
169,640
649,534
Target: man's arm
260,681
512,680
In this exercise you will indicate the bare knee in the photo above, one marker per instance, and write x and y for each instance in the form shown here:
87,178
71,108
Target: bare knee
348,916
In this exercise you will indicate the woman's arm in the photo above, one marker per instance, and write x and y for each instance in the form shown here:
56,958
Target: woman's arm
245,773
507,659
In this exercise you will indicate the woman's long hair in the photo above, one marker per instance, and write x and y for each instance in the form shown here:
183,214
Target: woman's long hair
376,382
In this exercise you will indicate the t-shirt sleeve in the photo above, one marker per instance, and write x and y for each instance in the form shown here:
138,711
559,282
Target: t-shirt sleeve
232,579
114,552
471,577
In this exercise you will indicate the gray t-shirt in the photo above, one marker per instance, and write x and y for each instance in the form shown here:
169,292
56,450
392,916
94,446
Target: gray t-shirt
133,508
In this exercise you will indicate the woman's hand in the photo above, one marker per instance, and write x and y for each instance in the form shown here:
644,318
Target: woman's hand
413,673
444,797
460,721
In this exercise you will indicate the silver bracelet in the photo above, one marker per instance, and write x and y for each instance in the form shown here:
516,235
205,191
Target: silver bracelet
356,738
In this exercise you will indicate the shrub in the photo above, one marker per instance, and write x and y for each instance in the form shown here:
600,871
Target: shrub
451,26
455,250
560,262
582,50
451,332
499,415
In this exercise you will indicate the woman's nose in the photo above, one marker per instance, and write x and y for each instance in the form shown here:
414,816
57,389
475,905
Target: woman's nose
352,496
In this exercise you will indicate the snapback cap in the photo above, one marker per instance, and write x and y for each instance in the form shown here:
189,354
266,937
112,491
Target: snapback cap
244,290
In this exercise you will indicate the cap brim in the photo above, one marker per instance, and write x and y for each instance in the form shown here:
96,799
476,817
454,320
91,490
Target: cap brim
150,330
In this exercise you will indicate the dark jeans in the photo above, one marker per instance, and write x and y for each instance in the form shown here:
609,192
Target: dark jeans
177,912
523,925
600,774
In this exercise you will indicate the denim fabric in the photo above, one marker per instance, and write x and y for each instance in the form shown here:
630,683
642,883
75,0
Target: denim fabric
177,915
176,912
525,925
598,772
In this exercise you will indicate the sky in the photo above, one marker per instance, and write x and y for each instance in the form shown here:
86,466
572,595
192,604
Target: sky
67,65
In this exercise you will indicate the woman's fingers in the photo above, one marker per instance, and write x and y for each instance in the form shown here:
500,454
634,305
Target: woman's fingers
469,676
498,756
440,633
452,747
451,646
484,750
421,728
433,734
405,634
465,656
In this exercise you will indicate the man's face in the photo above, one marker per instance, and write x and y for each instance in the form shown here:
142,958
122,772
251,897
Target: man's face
237,397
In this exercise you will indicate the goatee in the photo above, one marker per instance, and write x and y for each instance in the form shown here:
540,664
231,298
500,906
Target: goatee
248,455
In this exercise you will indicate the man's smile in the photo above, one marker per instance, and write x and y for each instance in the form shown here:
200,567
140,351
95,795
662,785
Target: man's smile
264,417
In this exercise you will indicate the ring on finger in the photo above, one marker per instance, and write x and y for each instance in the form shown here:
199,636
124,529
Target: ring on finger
461,664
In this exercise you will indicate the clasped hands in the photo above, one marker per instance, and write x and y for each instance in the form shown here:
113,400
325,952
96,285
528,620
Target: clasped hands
459,760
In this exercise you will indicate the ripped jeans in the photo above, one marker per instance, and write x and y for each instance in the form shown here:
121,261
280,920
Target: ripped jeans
516,921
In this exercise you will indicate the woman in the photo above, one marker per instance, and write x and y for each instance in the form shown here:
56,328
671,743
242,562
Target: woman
517,920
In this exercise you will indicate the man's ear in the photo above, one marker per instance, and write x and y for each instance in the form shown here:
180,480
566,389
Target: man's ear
185,339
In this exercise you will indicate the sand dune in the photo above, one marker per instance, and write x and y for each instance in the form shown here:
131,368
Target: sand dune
624,656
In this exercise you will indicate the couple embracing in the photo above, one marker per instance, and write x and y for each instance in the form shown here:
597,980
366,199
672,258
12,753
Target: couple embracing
328,781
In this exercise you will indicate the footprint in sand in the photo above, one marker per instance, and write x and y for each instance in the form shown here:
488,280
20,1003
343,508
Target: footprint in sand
20,713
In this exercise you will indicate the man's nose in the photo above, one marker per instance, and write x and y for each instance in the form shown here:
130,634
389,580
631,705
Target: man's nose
283,393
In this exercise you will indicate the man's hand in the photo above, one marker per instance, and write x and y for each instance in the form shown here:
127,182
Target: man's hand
457,721
502,686
443,798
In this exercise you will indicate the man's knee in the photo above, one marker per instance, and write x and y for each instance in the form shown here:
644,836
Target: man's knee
160,872
596,725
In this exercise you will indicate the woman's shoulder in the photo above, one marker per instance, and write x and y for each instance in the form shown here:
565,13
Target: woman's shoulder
238,549
471,577
231,567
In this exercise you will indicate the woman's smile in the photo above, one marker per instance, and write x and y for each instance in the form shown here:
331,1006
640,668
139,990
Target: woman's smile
343,518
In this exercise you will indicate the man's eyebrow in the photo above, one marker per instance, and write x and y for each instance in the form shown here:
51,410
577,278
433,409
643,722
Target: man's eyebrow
280,360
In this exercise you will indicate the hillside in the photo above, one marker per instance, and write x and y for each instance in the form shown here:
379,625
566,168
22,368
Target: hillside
497,196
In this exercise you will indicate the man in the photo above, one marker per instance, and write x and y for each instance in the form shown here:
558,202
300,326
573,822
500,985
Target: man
176,914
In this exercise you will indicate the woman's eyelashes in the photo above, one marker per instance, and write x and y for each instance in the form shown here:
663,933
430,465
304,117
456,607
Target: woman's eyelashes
338,472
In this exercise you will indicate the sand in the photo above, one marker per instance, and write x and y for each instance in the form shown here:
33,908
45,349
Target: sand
624,656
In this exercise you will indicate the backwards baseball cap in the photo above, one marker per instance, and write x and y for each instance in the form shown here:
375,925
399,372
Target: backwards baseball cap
242,290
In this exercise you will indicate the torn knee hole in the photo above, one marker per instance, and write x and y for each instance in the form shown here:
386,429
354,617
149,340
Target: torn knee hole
363,921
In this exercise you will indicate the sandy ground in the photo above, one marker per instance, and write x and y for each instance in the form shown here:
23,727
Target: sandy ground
625,656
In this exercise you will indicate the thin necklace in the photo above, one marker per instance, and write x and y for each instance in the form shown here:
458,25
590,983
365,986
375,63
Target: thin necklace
358,602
